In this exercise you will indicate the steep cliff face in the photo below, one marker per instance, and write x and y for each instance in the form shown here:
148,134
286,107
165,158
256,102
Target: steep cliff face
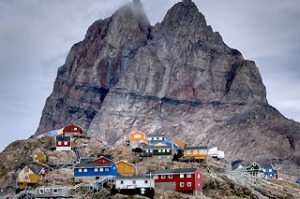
178,78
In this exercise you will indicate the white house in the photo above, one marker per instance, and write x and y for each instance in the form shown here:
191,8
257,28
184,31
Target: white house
215,153
131,185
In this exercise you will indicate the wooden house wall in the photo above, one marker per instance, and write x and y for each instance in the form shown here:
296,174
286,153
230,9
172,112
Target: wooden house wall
125,168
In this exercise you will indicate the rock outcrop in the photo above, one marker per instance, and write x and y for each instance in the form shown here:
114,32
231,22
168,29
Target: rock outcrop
177,78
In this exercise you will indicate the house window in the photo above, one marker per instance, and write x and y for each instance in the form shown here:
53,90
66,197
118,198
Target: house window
79,170
41,191
59,143
137,136
160,138
270,170
96,169
66,143
155,138
75,129
159,157
163,176
26,177
168,150
181,184
55,191
199,176
159,150
133,182
47,190
188,152
151,151
147,151
170,176
188,175
202,151
195,151
122,182
146,181
85,170
101,169
163,150
26,170
252,168
35,156
189,184
106,169
181,175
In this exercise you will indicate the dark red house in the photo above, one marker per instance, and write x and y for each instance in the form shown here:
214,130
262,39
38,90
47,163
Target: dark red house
73,130
186,180
102,159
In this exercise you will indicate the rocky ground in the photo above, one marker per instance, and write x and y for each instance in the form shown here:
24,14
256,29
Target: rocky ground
218,179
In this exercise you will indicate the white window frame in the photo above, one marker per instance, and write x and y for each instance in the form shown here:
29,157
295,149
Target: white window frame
188,152
195,151
47,190
79,170
85,170
170,176
101,169
146,181
59,143
160,138
154,138
188,175
137,136
106,169
159,150
163,150
199,176
181,175
181,184
65,143
270,170
163,177
95,169
189,184
168,150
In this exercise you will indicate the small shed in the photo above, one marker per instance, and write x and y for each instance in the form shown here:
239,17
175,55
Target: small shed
125,168
215,153
38,155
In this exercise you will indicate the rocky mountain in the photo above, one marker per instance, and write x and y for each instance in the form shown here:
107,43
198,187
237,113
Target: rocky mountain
176,78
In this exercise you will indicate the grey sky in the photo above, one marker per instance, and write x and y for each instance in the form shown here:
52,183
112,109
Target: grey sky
36,35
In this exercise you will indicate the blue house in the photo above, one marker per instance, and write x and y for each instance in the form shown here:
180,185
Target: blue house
298,181
268,169
90,171
155,139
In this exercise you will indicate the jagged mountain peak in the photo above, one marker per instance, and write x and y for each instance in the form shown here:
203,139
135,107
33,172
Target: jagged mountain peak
134,13
178,78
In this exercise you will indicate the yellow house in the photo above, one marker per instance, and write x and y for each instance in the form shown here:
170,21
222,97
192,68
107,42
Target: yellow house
180,143
199,153
125,168
28,177
38,155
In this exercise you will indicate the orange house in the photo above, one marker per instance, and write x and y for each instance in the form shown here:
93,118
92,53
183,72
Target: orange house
180,143
200,153
125,168
136,138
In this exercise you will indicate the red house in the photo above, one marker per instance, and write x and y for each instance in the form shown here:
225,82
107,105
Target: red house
73,130
62,143
186,180
102,159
